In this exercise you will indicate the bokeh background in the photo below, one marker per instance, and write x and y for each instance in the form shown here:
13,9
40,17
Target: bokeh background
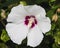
51,38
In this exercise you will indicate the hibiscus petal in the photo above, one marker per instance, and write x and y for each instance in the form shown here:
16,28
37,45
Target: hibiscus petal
45,24
34,37
36,10
17,32
17,14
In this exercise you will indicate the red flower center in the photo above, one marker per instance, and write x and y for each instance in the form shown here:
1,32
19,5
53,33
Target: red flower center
30,21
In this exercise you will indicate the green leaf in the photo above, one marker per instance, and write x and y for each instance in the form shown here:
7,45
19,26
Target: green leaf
40,1
23,3
50,13
52,0
57,37
55,45
2,45
53,26
4,36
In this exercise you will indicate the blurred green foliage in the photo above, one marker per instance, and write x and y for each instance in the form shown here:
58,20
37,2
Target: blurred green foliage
2,45
4,36
51,38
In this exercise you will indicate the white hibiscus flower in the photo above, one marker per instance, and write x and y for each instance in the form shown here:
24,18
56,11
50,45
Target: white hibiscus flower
27,21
